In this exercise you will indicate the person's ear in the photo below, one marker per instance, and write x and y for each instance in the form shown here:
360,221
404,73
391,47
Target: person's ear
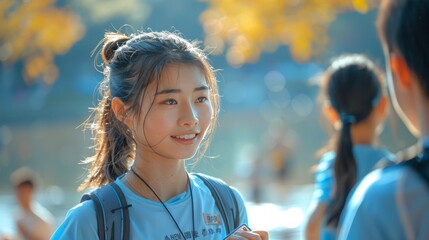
331,115
382,106
118,108
400,70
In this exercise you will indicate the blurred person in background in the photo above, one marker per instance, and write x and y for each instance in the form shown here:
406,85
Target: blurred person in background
353,100
280,159
279,156
393,203
158,108
256,177
33,221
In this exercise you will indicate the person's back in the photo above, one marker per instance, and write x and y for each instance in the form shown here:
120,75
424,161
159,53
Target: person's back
354,102
392,203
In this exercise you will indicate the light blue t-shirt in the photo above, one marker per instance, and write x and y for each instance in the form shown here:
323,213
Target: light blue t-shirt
150,220
391,203
367,157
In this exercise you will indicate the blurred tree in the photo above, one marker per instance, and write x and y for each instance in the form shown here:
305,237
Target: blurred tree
249,27
35,31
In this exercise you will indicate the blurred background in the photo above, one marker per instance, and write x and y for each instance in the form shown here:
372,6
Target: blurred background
268,52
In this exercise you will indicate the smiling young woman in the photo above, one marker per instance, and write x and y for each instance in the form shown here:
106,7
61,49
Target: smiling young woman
159,107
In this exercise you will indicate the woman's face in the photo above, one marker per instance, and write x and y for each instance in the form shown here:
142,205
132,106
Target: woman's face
175,115
23,194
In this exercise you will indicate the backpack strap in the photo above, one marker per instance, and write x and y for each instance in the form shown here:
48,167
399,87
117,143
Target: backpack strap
113,220
225,200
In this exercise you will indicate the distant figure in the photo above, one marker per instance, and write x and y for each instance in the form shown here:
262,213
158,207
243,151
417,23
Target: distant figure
354,102
279,154
280,159
393,203
256,176
33,221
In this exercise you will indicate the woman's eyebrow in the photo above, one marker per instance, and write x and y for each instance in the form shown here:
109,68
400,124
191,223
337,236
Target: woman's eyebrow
202,88
168,90
176,90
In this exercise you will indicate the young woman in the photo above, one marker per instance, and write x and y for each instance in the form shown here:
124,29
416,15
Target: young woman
353,101
159,107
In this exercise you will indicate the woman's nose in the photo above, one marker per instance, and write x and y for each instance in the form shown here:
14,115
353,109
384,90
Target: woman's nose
189,115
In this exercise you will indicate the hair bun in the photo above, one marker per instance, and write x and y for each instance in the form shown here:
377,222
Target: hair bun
112,41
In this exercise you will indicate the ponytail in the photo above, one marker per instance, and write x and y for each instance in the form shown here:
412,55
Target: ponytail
114,143
344,170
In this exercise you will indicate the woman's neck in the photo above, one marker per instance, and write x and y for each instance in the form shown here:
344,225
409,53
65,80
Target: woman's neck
364,134
167,178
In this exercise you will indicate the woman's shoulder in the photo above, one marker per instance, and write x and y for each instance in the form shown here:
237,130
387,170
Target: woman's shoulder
85,208
385,183
83,212
80,221
326,162
327,156
372,157
369,151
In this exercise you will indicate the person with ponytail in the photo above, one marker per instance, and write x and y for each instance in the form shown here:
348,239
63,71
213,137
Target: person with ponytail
353,101
158,108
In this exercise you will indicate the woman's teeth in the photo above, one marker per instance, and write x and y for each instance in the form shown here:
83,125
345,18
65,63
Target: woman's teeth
187,136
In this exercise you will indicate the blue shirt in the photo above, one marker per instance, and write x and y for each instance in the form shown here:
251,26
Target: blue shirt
367,157
150,220
391,203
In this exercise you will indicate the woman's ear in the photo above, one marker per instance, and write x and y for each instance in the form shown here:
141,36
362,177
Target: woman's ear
118,108
400,70
381,107
332,115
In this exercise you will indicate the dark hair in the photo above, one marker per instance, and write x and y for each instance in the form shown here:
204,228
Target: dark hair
26,183
352,86
130,64
24,176
403,26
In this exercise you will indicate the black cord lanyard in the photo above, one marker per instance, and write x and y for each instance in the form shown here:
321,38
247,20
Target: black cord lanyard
165,207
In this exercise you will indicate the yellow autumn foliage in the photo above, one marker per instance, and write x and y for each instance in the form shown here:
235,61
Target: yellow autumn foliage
245,28
35,31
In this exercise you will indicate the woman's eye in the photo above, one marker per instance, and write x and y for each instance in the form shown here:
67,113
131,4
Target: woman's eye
170,102
201,99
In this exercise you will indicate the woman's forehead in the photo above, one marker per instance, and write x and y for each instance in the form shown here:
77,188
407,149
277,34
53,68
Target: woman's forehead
180,76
